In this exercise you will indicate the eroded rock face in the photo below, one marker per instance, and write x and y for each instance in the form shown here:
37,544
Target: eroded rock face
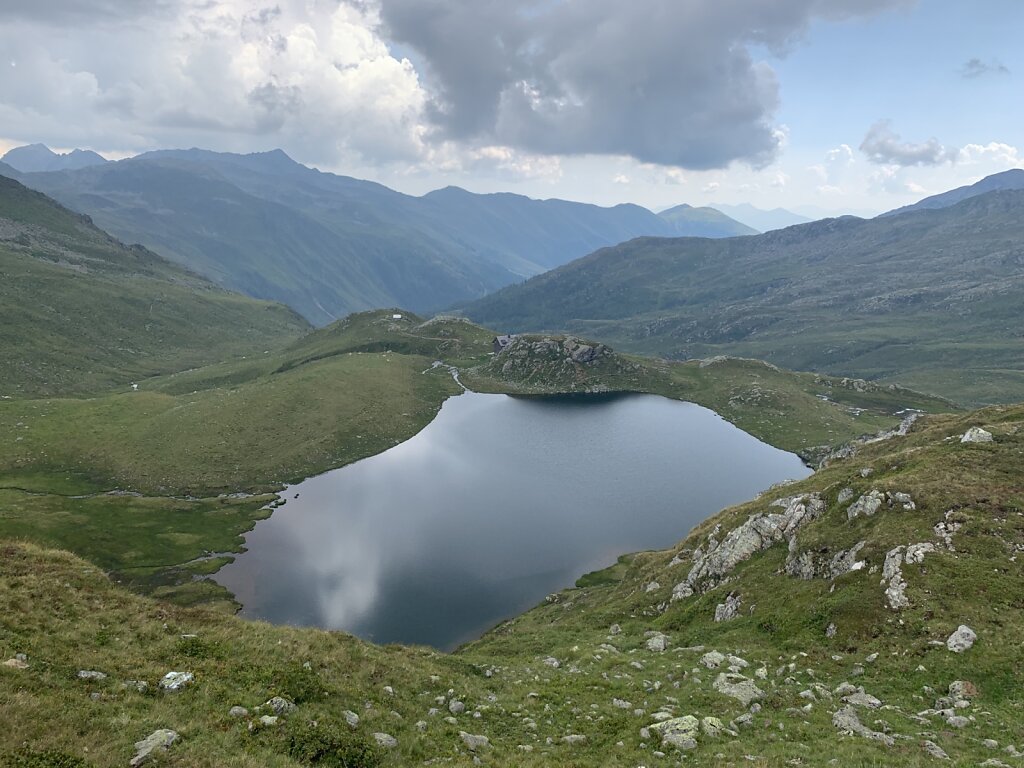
817,565
755,535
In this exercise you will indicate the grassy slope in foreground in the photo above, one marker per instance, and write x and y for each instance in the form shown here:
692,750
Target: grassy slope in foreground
82,312
562,670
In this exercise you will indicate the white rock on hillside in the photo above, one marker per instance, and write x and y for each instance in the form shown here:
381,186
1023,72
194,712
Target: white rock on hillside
976,435
728,610
176,681
962,639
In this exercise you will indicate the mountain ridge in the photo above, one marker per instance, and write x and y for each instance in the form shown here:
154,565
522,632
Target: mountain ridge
1012,179
813,296
39,157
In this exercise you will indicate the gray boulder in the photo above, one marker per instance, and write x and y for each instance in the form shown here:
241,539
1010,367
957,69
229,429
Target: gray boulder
657,643
962,639
473,743
866,505
280,706
157,741
934,750
738,687
679,732
386,740
176,681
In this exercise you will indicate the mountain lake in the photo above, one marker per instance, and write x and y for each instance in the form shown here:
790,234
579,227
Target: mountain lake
497,503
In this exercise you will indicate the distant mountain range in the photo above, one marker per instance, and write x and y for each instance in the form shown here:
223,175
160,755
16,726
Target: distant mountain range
761,220
327,245
1012,179
40,158
929,297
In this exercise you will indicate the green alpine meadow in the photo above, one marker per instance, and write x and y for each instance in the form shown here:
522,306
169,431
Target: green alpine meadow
595,385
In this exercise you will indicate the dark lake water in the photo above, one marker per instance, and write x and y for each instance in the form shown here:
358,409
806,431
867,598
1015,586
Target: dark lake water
497,503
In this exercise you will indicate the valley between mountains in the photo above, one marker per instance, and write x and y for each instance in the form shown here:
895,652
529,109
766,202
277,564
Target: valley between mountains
869,614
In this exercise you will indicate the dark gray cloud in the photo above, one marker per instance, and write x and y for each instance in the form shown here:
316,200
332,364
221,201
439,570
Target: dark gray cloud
975,68
671,82
884,146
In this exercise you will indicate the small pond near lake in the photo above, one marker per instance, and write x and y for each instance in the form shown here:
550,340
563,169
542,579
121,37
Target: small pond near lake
498,502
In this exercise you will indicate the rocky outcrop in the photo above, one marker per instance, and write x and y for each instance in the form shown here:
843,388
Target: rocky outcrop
757,534
847,721
822,565
892,573
868,504
728,610
976,435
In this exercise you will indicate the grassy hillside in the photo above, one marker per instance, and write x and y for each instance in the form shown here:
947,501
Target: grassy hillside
688,221
813,667
82,312
928,298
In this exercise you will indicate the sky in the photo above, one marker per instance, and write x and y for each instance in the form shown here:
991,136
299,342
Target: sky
813,105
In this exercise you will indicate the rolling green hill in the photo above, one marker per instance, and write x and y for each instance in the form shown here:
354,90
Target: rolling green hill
82,312
688,221
929,298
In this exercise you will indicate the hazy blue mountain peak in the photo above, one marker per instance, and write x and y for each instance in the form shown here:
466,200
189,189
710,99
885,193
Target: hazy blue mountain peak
33,158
